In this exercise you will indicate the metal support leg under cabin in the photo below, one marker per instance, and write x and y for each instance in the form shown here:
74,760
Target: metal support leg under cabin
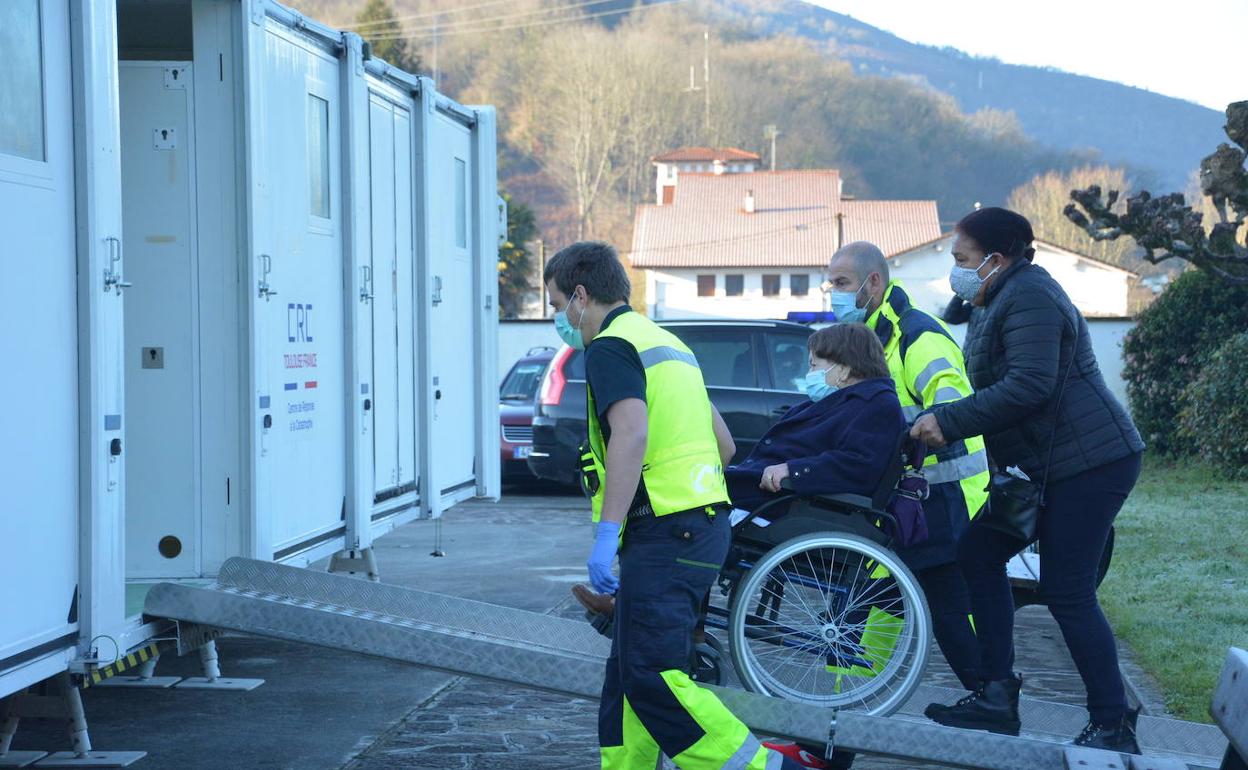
356,561
65,704
212,679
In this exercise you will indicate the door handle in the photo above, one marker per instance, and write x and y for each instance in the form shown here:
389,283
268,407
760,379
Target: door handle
113,280
781,410
263,290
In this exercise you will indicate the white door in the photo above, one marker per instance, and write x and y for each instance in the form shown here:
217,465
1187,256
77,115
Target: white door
39,341
162,351
394,454
454,373
300,362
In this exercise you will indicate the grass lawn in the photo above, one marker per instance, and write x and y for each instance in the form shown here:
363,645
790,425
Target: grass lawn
1177,591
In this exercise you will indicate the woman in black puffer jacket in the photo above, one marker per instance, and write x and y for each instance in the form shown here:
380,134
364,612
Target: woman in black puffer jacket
1027,339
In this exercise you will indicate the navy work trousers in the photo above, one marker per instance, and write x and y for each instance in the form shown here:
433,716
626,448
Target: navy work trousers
1072,532
667,565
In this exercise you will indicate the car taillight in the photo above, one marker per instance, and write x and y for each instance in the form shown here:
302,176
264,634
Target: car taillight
553,384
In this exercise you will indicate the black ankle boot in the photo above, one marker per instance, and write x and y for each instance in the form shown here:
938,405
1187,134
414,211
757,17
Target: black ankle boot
994,707
1118,735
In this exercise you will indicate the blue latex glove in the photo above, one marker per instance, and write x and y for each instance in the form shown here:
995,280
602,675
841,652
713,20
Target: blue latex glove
606,541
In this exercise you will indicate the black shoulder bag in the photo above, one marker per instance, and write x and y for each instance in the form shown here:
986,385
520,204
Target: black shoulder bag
1014,503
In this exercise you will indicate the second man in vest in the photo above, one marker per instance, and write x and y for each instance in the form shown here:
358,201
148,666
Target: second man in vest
928,369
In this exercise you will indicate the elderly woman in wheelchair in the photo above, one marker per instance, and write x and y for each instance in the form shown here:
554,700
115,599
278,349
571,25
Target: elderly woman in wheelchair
817,606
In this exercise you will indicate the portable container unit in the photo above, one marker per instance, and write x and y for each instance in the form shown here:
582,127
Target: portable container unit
253,312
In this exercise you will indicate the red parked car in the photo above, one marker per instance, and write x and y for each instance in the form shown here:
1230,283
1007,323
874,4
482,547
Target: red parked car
516,398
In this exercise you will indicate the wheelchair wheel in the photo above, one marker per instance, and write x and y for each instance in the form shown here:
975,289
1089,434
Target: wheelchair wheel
830,619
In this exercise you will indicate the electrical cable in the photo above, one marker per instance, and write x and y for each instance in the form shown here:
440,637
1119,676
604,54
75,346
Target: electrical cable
438,25
526,25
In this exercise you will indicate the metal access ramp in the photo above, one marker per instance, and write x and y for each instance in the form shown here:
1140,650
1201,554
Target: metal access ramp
463,636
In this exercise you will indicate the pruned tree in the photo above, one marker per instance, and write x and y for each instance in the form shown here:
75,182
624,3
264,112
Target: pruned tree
1166,226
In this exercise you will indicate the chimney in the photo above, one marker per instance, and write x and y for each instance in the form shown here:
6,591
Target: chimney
749,201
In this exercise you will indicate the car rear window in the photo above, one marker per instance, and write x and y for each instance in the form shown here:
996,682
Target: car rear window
788,360
726,356
522,381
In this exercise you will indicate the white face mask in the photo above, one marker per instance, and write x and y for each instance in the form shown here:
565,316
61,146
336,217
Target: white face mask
966,281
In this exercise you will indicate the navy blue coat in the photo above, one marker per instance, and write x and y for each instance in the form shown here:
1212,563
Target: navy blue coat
840,444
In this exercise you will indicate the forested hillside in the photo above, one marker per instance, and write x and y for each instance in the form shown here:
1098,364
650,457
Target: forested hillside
584,104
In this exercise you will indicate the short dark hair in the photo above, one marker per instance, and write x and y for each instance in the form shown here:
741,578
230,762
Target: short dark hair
999,231
866,258
853,345
594,265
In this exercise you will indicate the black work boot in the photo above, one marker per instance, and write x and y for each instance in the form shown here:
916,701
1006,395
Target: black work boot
1118,735
994,707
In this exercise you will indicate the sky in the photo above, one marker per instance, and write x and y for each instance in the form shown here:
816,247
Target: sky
1194,49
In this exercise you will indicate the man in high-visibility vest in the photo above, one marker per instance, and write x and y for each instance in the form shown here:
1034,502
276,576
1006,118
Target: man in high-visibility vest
927,368
655,470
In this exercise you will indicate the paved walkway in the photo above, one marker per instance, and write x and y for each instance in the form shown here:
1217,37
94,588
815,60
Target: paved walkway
328,709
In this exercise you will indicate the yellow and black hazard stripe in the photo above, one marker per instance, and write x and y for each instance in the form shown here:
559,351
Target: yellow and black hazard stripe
125,663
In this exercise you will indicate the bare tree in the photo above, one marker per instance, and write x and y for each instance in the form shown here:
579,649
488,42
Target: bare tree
1167,227
1040,199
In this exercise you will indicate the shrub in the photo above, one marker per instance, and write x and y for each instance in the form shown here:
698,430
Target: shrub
1213,417
1171,342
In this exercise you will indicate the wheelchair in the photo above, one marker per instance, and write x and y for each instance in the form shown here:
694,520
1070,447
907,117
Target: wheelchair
818,608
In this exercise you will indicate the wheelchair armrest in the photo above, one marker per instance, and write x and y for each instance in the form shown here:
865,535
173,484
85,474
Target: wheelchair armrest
841,500
845,500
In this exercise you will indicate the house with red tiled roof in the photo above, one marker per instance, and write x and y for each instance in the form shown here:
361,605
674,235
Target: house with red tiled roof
753,244
698,160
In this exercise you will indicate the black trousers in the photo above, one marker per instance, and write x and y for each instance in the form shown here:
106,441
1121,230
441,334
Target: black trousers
1073,529
950,603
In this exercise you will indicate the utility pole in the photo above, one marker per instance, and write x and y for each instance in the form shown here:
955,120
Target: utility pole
541,274
706,82
771,132
436,19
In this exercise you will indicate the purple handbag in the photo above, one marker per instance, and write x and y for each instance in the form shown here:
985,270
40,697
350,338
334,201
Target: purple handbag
909,526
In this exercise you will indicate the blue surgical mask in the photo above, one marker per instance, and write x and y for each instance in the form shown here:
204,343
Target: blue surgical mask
845,305
816,385
566,331
966,282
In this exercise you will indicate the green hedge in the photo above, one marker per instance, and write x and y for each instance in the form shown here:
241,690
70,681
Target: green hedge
1213,418
1170,344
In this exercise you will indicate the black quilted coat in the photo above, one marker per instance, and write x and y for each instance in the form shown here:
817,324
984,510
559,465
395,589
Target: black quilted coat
1017,350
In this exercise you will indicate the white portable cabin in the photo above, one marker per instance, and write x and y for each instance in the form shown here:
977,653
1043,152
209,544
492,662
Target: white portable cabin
251,310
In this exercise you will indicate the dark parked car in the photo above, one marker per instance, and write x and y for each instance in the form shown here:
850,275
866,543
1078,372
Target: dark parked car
516,398
753,370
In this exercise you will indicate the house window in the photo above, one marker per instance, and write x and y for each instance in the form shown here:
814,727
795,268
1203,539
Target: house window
771,285
706,286
734,285
799,284
318,156
21,80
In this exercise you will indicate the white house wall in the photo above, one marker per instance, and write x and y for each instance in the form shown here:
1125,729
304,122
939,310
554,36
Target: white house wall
673,294
1097,290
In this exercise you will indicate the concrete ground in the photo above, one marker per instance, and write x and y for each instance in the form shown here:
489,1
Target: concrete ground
321,708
